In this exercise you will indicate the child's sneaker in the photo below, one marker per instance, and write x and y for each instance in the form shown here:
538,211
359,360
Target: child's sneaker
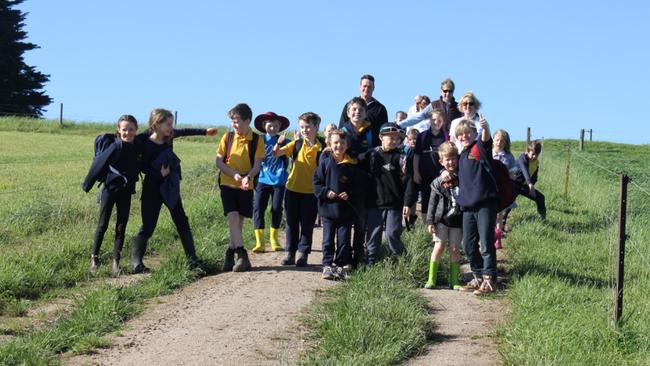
328,274
344,273
472,285
488,286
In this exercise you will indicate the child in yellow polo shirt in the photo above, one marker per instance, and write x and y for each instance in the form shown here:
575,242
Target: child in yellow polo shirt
300,204
238,167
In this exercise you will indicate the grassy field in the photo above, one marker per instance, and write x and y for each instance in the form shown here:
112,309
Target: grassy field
46,235
562,270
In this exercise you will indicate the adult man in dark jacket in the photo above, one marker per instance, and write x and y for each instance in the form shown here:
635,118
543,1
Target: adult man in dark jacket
376,113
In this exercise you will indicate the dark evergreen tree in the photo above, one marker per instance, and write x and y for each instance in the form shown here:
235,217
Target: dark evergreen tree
20,84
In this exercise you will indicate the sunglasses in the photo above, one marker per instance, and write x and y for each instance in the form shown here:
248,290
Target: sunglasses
447,91
471,104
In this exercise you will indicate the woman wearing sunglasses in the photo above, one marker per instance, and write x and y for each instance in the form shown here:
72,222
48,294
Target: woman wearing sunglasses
469,106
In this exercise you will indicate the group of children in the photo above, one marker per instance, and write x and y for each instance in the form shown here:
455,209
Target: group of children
360,186
118,161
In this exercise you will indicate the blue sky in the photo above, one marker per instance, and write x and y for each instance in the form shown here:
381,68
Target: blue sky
554,66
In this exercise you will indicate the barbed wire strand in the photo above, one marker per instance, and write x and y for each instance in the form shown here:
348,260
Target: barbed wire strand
597,165
640,254
640,188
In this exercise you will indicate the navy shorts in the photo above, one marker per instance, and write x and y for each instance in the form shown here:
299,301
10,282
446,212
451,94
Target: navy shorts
237,200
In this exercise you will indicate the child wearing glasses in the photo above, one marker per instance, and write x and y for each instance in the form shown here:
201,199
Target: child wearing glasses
392,194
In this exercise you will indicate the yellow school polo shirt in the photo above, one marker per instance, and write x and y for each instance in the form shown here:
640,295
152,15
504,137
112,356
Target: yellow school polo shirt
304,167
239,158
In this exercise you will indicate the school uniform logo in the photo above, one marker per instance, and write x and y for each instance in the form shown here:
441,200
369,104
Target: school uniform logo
388,167
474,153
344,179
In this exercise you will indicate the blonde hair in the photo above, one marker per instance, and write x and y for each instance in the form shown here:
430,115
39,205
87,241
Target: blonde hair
469,94
413,132
447,149
157,117
506,138
464,125
336,132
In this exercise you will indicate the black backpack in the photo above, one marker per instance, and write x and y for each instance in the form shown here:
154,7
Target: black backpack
252,147
299,144
113,180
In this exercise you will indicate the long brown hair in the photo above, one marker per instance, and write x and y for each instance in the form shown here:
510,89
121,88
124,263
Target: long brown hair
158,116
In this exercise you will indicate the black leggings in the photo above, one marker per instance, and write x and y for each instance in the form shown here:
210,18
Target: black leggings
122,201
151,203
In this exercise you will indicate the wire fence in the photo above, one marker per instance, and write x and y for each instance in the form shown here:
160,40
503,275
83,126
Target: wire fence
633,204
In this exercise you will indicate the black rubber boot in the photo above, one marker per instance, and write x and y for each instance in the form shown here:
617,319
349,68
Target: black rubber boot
242,264
188,246
229,260
289,259
138,248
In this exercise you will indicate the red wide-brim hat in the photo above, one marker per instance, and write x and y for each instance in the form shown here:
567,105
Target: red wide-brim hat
259,121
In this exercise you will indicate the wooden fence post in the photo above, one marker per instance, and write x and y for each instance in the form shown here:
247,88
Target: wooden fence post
590,132
175,117
582,139
620,264
568,170
61,115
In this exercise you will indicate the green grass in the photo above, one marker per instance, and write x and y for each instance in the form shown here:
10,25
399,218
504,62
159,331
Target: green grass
563,270
46,234
377,317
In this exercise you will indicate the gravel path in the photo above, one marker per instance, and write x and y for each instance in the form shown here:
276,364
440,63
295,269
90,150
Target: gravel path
252,318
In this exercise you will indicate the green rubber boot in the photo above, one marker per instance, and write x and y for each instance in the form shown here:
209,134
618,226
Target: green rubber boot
433,275
454,276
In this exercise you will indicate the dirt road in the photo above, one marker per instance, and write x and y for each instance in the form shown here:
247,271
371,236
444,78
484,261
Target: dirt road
252,319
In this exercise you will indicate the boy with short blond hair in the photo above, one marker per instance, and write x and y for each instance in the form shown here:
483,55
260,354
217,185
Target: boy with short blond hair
299,201
239,157
444,218
478,198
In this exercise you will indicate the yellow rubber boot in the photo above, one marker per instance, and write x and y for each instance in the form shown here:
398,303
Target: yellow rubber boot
275,244
259,241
